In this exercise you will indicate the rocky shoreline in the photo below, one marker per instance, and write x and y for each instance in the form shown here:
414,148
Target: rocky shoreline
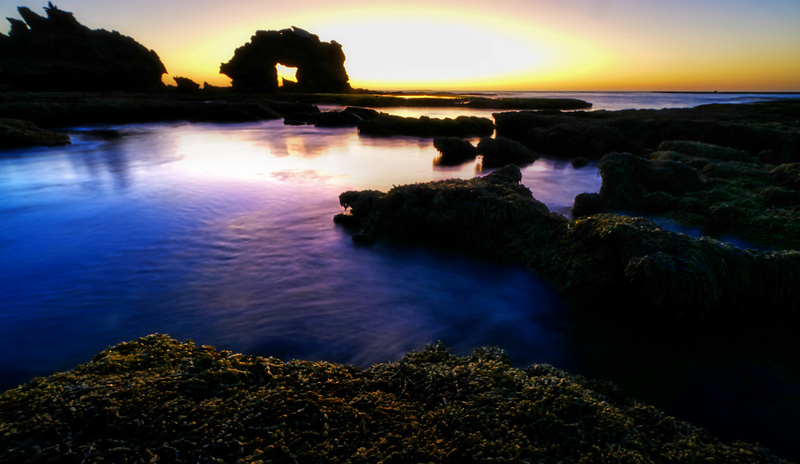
157,400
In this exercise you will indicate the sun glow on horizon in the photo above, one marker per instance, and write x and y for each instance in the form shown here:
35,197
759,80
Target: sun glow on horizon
471,45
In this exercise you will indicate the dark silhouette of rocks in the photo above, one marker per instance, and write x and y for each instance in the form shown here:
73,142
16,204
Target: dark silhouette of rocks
387,125
320,65
501,151
453,151
15,133
764,130
57,53
184,84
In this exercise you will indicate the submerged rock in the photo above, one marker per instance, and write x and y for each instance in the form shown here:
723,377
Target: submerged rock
57,53
155,399
320,65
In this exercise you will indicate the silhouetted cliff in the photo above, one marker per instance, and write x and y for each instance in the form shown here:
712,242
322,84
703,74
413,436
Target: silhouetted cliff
57,53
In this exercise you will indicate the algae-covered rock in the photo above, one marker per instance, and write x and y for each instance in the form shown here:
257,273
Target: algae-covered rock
626,178
454,151
157,400
500,151
766,130
483,214
387,125
15,133
722,190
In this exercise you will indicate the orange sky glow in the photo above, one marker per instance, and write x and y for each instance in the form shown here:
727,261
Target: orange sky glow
680,45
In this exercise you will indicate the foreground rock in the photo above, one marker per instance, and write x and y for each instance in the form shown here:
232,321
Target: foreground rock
17,134
320,65
58,53
625,267
157,400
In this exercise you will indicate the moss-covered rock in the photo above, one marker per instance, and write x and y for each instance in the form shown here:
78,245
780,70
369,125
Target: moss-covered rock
724,191
15,133
157,400
500,151
485,214
453,151
765,130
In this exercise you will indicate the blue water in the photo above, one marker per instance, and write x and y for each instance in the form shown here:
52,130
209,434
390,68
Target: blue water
223,233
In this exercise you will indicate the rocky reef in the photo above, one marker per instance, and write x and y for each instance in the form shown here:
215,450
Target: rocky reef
57,53
766,130
623,266
320,65
722,190
157,400
15,133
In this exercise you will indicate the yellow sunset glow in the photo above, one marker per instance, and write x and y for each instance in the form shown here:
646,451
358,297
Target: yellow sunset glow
474,45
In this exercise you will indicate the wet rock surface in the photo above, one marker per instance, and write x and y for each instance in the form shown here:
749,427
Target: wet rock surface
57,53
157,400
320,65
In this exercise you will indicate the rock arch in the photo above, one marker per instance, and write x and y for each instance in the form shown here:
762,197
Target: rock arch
320,65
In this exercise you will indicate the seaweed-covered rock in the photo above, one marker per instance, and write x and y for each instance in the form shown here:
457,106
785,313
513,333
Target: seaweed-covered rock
766,130
578,138
787,174
320,65
58,53
706,151
722,190
630,265
627,179
16,134
586,204
386,125
154,399
484,214
454,151
501,151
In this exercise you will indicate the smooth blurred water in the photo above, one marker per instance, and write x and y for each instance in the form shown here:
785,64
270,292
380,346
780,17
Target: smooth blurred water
223,233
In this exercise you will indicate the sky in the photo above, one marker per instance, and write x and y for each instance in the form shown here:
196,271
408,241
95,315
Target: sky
544,45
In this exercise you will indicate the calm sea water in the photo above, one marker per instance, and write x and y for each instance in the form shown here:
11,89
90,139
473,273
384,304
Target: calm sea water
223,233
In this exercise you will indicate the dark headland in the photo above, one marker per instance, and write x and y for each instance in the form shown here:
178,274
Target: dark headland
730,170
